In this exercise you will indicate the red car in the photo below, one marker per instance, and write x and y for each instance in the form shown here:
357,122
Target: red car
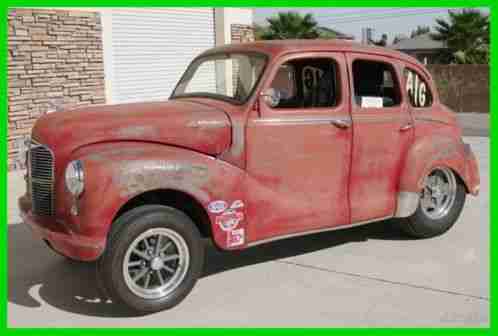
258,142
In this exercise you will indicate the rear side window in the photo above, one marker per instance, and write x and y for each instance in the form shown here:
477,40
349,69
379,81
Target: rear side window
375,84
417,89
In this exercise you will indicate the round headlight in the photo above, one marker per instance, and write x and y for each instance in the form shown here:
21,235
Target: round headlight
75,178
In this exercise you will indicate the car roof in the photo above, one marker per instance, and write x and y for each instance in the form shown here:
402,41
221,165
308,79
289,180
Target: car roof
279,47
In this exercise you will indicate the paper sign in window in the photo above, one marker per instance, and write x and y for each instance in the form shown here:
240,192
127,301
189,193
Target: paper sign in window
371,102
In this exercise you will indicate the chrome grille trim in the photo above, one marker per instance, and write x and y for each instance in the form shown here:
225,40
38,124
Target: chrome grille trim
41,178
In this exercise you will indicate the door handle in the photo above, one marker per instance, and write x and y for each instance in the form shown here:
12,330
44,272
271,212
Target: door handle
341,123
406,127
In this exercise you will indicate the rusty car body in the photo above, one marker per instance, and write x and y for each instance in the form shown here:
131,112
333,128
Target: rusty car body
280,162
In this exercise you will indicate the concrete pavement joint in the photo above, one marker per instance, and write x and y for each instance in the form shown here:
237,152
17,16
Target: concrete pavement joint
406,284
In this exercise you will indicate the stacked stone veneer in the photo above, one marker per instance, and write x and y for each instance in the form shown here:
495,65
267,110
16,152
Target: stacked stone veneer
239,34
54,59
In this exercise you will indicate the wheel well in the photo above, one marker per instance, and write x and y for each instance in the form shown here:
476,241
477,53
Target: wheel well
175,199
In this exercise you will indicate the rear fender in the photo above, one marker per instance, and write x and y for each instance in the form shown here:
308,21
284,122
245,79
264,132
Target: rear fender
426,154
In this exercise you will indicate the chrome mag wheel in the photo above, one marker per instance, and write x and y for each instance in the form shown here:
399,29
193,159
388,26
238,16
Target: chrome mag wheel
156,263
439,193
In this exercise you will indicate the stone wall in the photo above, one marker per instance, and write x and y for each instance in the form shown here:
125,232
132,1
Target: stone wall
463,87
239,34
54,58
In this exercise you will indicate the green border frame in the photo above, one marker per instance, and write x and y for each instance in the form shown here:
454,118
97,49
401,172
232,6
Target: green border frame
493,329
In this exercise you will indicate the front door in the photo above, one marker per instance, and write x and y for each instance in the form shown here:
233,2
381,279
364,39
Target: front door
299,151
383,131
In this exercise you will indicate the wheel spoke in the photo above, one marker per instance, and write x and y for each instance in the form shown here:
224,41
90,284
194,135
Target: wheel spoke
170,257
439,201
140,274
445,189
426,199
134,263
434,202
439,181
146,243
165,247
432,182
158,244
169,269
147,280
141,254
160,276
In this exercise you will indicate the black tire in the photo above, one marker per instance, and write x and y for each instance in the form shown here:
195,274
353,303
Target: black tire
124,231
419,225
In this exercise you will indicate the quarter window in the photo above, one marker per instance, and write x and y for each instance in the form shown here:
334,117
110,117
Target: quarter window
307,83
417,89
375,84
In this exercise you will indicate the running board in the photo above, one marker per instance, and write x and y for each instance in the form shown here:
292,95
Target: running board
304,233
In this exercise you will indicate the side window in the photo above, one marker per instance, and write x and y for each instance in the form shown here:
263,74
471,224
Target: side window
418,91
375,84
306,83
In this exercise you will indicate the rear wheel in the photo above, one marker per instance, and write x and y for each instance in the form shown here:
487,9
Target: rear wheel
153,258
441,202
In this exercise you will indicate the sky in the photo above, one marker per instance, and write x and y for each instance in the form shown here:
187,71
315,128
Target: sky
388,20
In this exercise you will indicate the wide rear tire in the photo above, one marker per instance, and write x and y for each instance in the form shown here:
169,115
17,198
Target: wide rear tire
441,203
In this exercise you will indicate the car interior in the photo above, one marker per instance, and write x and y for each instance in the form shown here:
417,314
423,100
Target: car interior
375,79
305,83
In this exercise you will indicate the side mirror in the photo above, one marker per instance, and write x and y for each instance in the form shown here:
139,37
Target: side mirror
271,97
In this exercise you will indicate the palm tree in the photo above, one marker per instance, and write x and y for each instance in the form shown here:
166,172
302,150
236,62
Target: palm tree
420,31
290,25
381,43
466,35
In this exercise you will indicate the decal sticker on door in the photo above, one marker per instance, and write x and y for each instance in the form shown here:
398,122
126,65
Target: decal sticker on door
229,220
217,206
235,238
417,89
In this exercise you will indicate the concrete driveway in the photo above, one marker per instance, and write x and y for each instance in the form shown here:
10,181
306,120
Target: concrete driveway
366,276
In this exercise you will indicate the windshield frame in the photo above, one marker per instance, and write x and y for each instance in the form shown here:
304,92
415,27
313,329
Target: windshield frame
215,96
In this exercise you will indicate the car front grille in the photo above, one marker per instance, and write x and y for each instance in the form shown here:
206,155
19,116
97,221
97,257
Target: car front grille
41,178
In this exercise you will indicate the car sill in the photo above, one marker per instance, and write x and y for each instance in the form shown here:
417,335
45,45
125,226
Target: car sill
304,233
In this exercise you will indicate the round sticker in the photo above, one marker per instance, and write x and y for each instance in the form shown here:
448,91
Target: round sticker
217,206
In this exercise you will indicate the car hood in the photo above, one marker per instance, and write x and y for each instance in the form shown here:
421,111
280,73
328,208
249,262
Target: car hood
182,123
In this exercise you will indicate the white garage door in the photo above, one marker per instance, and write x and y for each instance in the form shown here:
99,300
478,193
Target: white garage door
147,50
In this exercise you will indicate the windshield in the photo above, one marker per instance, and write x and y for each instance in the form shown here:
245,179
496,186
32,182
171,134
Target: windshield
230,77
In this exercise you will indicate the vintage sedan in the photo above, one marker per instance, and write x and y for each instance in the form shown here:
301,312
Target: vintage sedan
258,142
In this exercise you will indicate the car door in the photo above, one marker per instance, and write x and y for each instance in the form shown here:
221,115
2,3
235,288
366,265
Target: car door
383,131
298,153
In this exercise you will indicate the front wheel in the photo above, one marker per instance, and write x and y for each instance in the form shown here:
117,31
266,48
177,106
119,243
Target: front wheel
153,258
441,202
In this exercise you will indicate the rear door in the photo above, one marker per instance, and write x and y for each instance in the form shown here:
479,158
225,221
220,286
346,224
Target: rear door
383,131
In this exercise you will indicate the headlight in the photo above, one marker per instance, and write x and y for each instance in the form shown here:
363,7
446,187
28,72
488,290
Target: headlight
75,178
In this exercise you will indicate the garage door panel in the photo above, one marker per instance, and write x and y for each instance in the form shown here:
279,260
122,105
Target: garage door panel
150,50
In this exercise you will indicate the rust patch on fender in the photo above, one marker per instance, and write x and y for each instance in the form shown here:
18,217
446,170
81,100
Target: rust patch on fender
445,149
106,154
136,131
207,124
135,178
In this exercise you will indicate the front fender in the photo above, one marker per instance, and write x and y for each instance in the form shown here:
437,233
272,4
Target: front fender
430,152
117,172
